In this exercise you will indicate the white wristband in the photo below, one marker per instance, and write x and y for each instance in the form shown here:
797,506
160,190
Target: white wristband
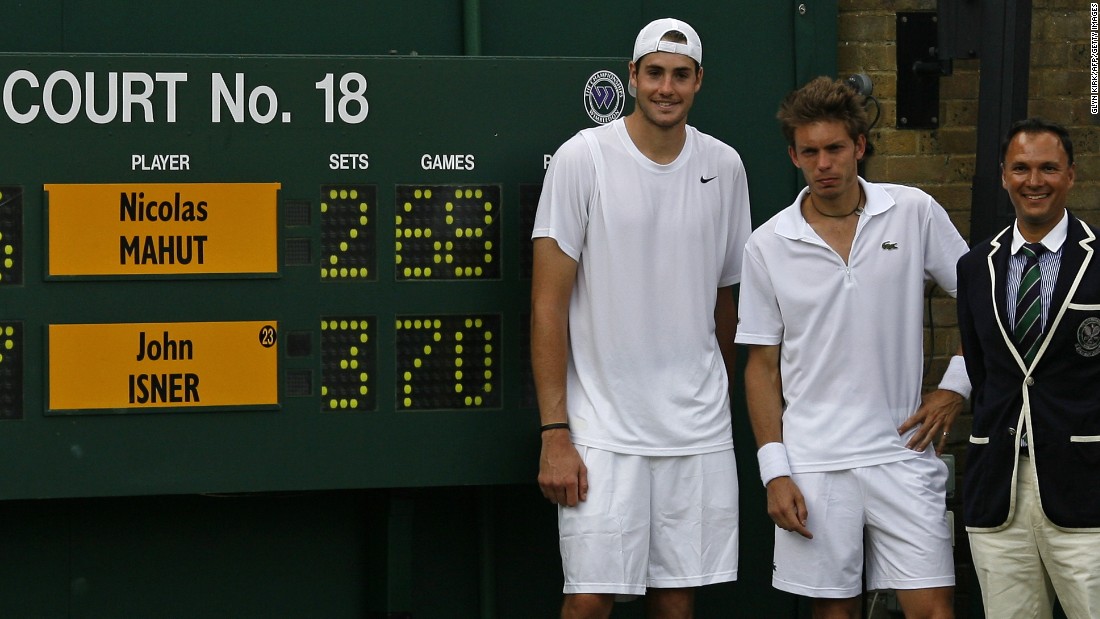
773,462
955,377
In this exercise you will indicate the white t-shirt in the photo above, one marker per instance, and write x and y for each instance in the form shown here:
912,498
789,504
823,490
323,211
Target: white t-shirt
851,336
653,244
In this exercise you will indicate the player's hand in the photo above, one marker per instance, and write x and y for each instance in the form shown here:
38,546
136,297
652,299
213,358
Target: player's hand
787,507
563,477
933,420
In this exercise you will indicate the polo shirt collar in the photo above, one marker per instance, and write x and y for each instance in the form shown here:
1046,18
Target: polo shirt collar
792,225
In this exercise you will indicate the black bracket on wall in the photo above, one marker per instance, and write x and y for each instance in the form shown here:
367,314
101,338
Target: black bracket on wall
919,71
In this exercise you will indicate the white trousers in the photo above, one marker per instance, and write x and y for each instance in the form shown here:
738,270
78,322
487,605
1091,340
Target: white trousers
1023,567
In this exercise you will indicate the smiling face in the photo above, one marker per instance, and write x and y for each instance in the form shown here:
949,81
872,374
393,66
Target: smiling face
1037,175
828,158
666,84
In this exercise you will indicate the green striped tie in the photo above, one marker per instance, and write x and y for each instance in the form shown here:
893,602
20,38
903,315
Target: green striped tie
1029,305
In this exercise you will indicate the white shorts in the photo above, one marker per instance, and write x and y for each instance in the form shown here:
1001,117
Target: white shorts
651,521
891,516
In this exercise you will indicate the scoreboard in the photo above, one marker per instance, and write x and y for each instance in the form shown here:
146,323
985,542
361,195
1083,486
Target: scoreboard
237,274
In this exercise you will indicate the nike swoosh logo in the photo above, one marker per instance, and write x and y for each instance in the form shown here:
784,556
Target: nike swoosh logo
706,180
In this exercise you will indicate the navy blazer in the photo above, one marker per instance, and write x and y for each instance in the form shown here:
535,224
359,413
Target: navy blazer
1057,398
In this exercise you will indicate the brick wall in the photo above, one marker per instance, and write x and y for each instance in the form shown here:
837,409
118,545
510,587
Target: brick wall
942,161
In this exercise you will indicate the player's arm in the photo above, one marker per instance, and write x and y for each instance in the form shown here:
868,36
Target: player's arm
764,395
563,477
725,328
939,408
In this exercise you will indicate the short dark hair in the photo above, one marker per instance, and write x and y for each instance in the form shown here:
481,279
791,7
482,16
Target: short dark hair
821,99
673,36
1036,124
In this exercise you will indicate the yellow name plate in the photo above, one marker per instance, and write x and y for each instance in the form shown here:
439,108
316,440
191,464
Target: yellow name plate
163,365
162,229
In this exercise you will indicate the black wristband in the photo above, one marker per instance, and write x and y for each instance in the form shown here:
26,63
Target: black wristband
554,426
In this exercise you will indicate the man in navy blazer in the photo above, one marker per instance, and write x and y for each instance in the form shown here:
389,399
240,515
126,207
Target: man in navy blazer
1031,488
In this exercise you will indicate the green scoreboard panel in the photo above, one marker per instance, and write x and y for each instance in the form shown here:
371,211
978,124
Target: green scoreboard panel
236,274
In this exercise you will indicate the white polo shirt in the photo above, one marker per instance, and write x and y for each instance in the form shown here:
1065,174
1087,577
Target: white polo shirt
851,336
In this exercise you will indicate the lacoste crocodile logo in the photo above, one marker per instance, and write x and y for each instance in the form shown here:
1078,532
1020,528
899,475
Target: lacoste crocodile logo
889,245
